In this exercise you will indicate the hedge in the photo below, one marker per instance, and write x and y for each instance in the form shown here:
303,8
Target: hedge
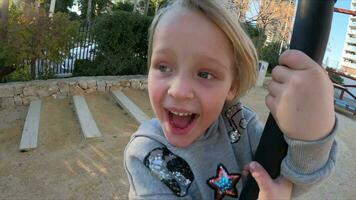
122,43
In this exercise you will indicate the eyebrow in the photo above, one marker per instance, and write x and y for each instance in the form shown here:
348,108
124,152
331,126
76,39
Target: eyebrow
201,56
211,60
163,51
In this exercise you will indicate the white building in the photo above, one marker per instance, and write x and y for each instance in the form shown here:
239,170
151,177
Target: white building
348,58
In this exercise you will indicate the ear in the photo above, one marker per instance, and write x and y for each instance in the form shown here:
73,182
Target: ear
232,92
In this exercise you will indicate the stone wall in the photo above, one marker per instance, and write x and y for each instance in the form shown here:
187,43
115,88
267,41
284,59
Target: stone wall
22,93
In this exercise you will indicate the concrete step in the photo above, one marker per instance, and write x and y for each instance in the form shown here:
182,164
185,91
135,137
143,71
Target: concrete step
30,129
130,107
87,123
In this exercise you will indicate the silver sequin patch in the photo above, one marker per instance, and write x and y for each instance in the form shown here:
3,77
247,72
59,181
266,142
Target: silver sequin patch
171,169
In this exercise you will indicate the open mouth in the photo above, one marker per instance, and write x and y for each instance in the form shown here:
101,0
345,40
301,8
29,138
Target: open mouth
181,122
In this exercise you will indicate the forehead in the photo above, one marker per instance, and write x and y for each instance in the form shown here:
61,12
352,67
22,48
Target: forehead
187,31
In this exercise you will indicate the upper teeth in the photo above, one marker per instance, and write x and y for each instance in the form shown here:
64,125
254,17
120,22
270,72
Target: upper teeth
181,114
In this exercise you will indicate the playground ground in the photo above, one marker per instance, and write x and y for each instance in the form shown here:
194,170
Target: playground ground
66,166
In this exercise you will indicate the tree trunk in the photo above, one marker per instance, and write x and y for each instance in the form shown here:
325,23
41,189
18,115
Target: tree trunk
33,69
31,9
156,8
89,10
52,7
135,5
4,19
147,4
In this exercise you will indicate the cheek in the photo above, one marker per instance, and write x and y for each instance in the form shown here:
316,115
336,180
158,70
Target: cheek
213,101
212,104
215,93
155,92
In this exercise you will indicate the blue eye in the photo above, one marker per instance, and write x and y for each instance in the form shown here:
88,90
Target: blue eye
205,75
164,68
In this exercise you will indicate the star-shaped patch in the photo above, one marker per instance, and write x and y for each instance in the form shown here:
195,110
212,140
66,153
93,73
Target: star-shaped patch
224,183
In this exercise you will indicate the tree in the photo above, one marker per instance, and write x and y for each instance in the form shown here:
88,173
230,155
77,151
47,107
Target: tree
147,3
31,9
157,4
124,6
61,5
136,3
147,7
270,54
242,8
89,9
256,34
273,16
52,7
37,38
4,19
96,8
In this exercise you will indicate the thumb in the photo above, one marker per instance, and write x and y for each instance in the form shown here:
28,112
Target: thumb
264,181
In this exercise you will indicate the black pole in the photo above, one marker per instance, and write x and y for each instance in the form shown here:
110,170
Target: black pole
310,35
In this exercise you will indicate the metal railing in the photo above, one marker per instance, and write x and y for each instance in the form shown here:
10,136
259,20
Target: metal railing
81,47
348,103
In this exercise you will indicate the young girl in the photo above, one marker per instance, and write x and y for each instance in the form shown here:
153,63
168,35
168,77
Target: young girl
203,141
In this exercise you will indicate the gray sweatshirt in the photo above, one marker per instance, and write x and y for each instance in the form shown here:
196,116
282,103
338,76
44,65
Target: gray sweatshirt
211,167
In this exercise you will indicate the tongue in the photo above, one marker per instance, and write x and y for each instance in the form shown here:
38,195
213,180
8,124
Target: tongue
182,121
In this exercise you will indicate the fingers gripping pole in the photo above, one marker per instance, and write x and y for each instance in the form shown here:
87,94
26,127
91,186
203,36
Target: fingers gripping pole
310,35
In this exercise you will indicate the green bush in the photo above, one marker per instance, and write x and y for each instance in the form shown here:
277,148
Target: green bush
270,54
334,77
122,40
22,73
124,6
37,38
257,35
85,67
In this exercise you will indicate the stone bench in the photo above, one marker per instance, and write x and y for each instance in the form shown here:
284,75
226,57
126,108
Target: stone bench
86,120
130,107
30,129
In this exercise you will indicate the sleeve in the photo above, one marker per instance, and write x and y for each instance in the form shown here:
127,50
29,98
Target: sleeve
144,184
307,163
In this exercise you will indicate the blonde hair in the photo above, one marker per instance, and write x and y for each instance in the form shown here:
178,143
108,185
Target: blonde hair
245,56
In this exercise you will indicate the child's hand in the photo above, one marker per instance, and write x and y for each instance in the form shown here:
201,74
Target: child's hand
280,188
301,97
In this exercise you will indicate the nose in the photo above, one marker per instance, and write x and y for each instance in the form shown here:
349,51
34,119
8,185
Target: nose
181,88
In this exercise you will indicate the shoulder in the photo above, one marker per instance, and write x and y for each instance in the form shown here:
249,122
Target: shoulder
151,166
247,124
147,137
253,124
237,112
248,113
142,181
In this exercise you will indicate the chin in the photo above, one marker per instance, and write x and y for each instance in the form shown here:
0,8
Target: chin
178,142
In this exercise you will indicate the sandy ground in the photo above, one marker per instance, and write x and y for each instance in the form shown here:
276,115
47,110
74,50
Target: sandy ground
66,166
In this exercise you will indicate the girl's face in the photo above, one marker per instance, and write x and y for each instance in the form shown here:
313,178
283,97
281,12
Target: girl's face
190,75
